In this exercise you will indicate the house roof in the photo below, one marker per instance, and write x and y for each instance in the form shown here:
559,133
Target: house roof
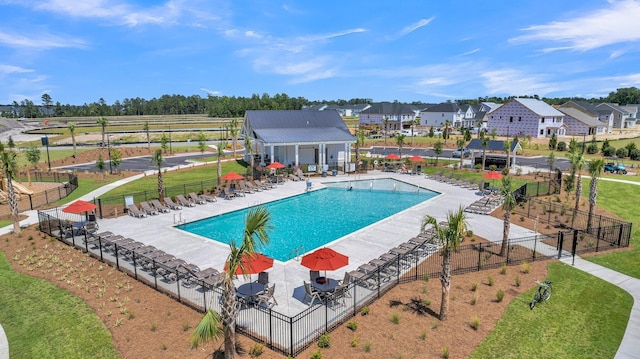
443,107
587,106
492,145
297,126
614,107
538,107
581,116
390,108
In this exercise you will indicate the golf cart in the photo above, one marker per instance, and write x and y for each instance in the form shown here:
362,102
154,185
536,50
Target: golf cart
615,165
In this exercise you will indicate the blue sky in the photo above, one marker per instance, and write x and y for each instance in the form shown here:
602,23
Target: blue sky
79,51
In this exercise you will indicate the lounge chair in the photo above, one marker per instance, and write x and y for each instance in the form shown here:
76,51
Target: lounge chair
311,293
160,207
90,227
207,198
195,198
134,211
184,202
169,202
267,297
226,193
253,187
233,190
246,189
146,207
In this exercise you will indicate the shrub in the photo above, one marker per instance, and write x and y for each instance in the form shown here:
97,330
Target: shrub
474,286
592,149
503,270
153,327
395,319
354,342
562,146
469,233
364,310
609,151
518,281
474,300
256,350
352,325
634,154
622,152
186,327
490,280
423,335
526,267
367,347
499,295
316,355
445,352
475,322
324,341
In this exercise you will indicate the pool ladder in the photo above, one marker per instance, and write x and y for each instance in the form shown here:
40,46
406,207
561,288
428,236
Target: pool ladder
296,252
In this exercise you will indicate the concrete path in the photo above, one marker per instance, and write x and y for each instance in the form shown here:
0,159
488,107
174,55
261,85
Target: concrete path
4,345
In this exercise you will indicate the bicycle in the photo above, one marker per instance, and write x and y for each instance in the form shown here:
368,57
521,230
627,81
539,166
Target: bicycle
542,294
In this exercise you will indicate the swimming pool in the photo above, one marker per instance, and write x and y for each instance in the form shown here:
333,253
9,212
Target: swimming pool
307,221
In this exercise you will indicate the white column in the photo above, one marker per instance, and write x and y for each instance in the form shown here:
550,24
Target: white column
271,154
297,155
262,150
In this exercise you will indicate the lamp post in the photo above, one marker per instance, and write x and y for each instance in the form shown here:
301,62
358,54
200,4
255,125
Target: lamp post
170,149
109,154
45,141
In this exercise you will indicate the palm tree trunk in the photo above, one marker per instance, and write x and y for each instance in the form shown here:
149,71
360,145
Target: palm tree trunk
13,206
578,191
73,140
593,195
445,280
148,140
505,233
229,312
484,157
160,184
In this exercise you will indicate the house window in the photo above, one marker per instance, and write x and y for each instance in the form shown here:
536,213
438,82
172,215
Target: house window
542,120
519,118
511,119
443,115
542,132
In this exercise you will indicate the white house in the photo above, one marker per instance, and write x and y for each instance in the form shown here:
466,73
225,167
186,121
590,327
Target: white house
526,117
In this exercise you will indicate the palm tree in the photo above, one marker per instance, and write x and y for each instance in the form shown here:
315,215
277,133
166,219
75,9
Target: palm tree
460,143
219,153
400,141
437,149
234,129
103,122
508,204
595,171
447,131
100,166
257,226
145,128
360,137
9,169
413,123
485,144
157,159
248,146
449,236
507,149
386,128
577,162
72,131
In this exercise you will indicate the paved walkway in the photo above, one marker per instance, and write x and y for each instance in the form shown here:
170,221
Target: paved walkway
628,348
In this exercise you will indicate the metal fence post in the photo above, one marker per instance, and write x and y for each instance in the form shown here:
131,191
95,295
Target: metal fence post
574,247
480,257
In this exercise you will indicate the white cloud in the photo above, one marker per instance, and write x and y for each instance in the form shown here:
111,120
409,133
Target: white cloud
469,52
516,82
39,41
612,25
211,92
10,69
413,27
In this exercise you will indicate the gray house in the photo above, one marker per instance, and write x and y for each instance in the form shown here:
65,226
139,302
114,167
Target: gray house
293,138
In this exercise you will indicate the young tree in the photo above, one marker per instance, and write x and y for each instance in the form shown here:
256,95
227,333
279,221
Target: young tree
219,153
595,171
248,146
72,130
234,128
447,131
103,123
145,128
116,159
577,160
460,143
360,138
553,142
164,142
437,148
385,121
202,142
551,161
485,143
449,236
33,155
9,169
400,141
100,166
431,132
212,326
156,160
507,149
10,143
508,204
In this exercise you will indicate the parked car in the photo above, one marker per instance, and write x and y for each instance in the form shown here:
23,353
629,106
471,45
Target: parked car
410,133
615,166
464,152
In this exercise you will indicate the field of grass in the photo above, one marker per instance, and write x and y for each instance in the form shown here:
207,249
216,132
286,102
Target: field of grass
584,318
60,317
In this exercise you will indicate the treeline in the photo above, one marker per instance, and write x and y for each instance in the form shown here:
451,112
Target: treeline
225,106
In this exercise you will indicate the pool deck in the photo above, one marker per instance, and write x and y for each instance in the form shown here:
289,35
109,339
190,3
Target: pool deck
361,246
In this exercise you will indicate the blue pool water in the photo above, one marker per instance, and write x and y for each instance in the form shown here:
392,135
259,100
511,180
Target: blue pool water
305,222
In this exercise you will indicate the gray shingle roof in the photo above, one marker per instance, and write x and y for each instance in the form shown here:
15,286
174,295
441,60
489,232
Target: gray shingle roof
581,116
298,126
493,145
390,108
444,107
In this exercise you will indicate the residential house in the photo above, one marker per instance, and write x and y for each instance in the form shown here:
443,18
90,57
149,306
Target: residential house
318,138
390,116
615,116
633,113
580,123
438,115
603,114
526,117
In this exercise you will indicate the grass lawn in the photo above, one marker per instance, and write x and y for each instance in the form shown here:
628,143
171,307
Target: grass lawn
43,321
85,186
176,178
584,318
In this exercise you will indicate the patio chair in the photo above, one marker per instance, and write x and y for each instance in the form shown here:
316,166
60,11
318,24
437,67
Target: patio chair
338,295
313,275
90,227
226,193
267,297
208,198
195,198
146,207
446,178
311,293
346,279
160,207
169,202
184,202
263,278
134,211
244,188
471,184
253,187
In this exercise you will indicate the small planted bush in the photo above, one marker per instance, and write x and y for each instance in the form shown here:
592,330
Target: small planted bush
324,341
256,350
518,281
475,322
352,325
354,342
316,355
474,300
499,295
364,310
503,270
367,347
395,318
474,287
526,267
445,352
490,280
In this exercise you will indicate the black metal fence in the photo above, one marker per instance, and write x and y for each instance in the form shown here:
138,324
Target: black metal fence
26,202
290,335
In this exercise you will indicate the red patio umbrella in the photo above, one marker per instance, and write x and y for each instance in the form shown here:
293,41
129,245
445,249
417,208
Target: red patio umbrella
275,165
492,175
416,159
79,206
252,263
392,157
324,259
232,176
